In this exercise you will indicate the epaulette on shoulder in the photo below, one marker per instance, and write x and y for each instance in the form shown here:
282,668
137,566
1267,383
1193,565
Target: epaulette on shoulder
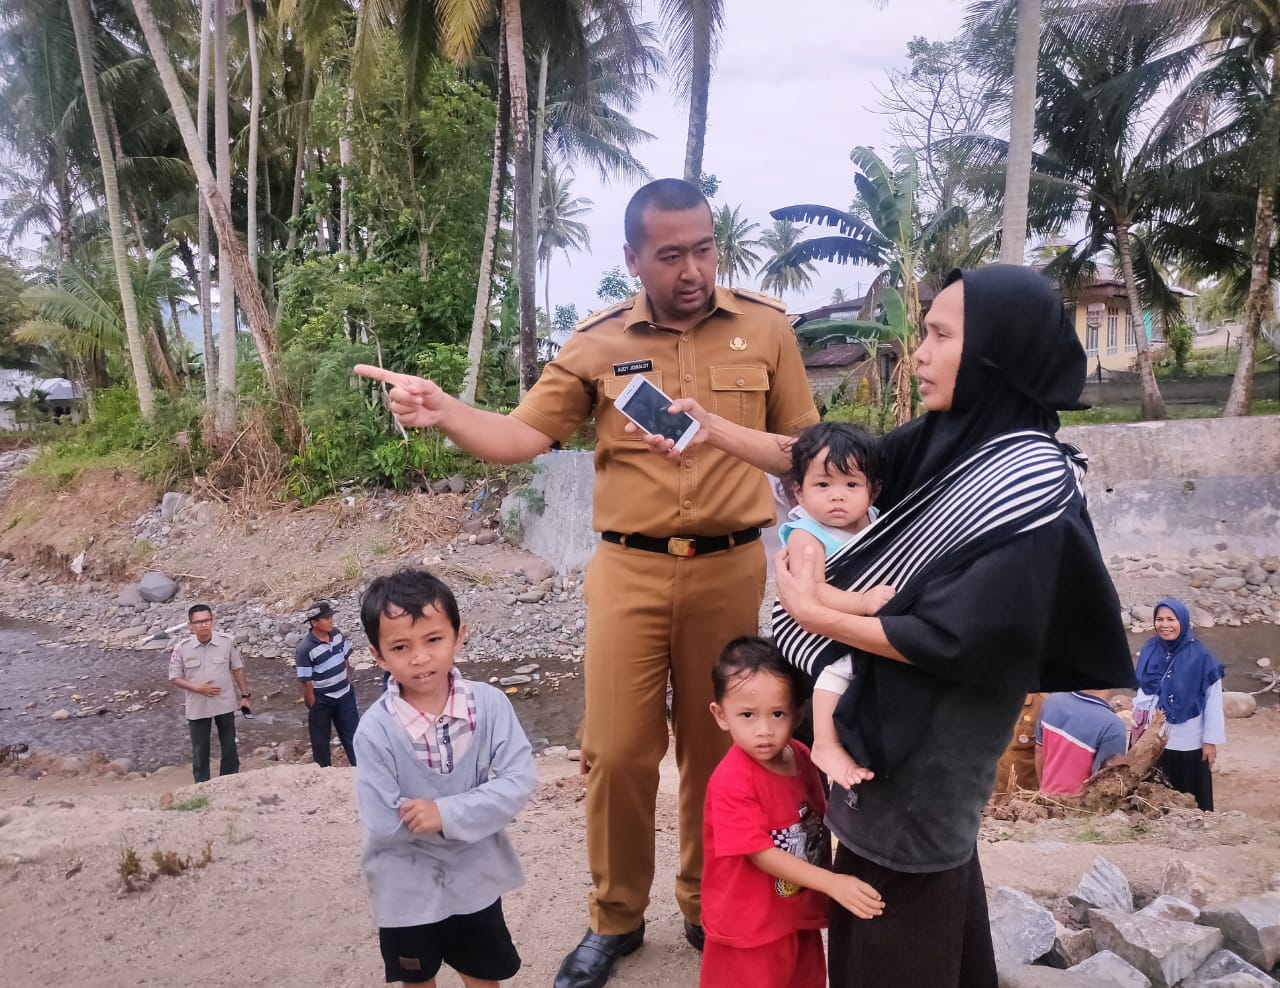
763,299
596,318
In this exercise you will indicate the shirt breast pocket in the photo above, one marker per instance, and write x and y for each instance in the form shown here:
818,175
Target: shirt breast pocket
739,392
610,421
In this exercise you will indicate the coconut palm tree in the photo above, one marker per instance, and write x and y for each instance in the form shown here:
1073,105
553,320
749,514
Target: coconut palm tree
734,243
778,240
559,226
79,317
233,253
1115,160
1022,125
1246,34
692,29
82,24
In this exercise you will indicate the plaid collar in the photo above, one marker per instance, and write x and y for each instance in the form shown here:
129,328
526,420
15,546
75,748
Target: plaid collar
458,706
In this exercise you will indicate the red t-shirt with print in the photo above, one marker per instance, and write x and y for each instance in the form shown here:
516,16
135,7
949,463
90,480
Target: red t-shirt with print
751,809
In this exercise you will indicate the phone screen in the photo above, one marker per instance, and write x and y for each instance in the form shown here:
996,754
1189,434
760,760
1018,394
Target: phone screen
647,407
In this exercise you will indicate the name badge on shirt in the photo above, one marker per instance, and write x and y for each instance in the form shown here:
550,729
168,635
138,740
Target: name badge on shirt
632,367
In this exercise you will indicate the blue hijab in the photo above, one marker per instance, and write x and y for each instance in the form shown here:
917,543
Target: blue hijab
1179,673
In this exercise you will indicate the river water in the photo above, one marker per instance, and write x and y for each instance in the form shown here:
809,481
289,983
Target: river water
122,705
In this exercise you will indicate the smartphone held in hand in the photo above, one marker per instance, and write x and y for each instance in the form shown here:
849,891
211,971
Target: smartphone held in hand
645,405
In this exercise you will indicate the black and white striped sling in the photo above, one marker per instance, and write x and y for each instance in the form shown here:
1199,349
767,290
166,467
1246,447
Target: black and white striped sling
1011,484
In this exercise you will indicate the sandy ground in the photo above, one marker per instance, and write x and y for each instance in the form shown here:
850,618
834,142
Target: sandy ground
283,903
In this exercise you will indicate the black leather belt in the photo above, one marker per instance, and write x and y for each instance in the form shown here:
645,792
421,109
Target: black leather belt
683,545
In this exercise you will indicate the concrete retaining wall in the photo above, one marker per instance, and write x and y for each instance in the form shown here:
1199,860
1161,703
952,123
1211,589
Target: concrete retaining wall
1164,487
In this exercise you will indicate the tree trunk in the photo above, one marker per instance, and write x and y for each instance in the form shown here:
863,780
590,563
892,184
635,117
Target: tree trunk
255,111
539,163
346,153
1152,402
1240,398
484,286
225,416
175,325
699,94
1022,134
525,220
66,211
546,291
255,309
210,356
82,24
161,361
299,163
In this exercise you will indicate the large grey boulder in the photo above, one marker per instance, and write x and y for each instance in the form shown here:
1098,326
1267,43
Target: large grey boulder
1251,927
1104,886
157,588
1112,970
1164,950
1021,928
1224,968
1188,882
1170,907
1071,947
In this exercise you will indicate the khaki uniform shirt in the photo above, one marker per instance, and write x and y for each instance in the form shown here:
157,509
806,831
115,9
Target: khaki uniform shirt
741,362
213,662
1017,766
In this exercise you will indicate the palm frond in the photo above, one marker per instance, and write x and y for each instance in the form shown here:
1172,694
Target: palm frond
839,250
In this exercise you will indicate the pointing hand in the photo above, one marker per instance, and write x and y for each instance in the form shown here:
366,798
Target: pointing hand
415,401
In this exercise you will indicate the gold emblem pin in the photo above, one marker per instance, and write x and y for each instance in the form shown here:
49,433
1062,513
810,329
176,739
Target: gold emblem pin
737,343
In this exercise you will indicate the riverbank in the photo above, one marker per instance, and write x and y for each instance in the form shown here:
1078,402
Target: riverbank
283,851
281,839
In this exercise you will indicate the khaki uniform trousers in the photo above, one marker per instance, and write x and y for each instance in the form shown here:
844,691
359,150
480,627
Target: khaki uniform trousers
651,615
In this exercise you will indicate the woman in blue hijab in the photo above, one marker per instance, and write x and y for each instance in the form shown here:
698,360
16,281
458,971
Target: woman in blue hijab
1182,678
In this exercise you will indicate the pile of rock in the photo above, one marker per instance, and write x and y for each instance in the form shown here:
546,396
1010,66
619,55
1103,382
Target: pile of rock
1218,589
1181,938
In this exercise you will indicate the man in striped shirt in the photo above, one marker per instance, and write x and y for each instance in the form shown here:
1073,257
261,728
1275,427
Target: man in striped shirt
324,669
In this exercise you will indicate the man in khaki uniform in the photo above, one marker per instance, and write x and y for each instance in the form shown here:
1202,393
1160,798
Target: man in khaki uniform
680,570
209,668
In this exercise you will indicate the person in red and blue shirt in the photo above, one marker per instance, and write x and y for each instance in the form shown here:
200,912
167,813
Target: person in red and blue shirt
1077,736
765,879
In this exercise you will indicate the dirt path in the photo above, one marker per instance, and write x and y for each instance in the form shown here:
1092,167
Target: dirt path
282,902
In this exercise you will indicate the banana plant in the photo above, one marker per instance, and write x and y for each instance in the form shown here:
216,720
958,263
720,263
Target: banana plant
883,229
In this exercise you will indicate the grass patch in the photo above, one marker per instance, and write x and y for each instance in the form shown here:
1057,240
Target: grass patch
58,466
187,805
1111,414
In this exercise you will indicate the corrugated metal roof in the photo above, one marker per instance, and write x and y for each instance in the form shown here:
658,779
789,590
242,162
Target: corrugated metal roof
837,355
14,383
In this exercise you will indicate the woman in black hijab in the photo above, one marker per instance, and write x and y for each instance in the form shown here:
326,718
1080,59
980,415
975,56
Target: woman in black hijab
1001,592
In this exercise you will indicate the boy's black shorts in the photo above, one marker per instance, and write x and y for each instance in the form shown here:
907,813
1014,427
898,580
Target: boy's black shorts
476,944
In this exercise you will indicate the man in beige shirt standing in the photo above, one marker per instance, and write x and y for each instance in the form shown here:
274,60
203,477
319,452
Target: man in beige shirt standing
209,668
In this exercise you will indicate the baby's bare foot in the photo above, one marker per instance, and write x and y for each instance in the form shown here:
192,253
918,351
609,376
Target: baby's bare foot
835,762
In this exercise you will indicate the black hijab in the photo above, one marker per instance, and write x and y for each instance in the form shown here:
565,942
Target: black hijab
1021,364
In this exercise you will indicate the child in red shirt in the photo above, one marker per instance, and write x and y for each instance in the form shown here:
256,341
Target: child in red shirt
765,881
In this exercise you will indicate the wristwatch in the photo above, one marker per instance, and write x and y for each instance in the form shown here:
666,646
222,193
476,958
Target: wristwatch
244,696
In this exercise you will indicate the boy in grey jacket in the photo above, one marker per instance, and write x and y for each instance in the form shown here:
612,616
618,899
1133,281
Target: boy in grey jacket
442,767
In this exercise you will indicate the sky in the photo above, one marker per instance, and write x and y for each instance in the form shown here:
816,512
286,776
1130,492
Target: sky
793,92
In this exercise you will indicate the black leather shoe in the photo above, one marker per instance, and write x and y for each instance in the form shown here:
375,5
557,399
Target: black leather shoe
591,962
696,935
